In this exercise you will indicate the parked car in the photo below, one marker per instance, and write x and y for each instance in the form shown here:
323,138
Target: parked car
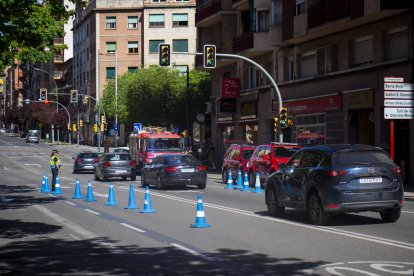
329,179
3,130
174,169
121,149
266,158
32,137
85,161
115,165
235,159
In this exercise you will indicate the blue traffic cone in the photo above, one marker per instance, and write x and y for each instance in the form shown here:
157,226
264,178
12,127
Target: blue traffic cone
89,194
246,187
57,191
131,200
45,185
257,186
229,182
200,218
239,185
77,194
111,196
147,203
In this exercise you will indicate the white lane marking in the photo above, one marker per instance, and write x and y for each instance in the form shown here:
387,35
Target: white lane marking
92,212
370,238
32,165
408,212
132,227
7,143
70,203
192,252
5,168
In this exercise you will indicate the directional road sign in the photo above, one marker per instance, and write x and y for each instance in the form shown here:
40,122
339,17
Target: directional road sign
137,126
399,103
399,113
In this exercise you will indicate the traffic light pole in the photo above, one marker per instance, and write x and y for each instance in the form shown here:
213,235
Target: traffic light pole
279,96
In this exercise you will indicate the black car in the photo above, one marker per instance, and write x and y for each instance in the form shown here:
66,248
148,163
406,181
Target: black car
115,164
174,169
337,179
85,161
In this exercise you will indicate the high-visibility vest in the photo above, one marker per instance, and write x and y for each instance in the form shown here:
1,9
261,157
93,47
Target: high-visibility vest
52,162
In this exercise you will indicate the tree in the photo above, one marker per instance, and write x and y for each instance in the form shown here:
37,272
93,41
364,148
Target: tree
156,96
28,29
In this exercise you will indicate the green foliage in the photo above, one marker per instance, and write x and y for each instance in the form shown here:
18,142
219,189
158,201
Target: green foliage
28,28
157,96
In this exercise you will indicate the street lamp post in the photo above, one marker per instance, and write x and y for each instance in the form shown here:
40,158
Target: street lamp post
116,97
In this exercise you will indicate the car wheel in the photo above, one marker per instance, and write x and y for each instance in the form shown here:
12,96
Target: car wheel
201,186
316,213
225,176
272,206
252,179
390,215
160,185
133,177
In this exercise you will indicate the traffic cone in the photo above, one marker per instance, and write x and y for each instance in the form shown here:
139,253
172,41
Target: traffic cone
111,196
131,200
77,194
257,186
89,194
200,221
239,185
246,187
45,185
57,191
229,182
147,202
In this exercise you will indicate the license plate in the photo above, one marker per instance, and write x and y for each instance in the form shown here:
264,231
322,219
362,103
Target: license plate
120,171
370,180
187,170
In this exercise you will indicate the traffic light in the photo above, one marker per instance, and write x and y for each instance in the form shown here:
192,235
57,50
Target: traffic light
74,127
43,94
73,96
283,117
102,127
276,124
103,121
209,56
1,86
95,128
290,122
164,54
85,99
80,123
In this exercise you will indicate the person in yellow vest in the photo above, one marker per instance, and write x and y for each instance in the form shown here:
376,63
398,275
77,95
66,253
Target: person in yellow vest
55,166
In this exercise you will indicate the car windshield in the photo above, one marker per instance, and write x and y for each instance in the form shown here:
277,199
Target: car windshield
164,144
117,157
284,152
181,160
247,154
361,158
87,155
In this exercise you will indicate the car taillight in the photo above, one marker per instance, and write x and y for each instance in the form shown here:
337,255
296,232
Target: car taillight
132,163
332,206
170,169
106,164
396,170
401,202
201,168
336,173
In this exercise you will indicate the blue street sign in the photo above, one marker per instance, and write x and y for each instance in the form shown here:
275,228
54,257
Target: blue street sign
137,126
116,126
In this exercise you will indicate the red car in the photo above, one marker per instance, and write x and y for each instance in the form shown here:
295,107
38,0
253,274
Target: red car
236,159
266,158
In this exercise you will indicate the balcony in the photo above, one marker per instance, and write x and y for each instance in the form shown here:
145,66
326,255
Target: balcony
332,11
57,75
58,58
243,42
207,10
240,5
58,41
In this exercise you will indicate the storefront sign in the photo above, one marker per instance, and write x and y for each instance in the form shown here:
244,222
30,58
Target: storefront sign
227,105
230,88
315,105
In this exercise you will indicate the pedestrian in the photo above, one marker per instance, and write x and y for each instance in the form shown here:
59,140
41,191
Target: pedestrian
107,143
211,155
55,167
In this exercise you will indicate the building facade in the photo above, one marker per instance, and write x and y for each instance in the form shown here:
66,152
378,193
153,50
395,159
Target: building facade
329,60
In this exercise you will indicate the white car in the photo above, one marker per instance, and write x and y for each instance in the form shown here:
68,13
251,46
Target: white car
3,130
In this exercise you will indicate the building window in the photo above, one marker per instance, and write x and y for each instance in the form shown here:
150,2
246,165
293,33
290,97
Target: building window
320,61
290,69
252,77
181,68
153,46
110,47
110,72
362,51
180,19
180,45
132,69
300,7
308,64
156,20
110,22
262,21
132,47
157,1
132,22
277,12
397,43
182,0
310,129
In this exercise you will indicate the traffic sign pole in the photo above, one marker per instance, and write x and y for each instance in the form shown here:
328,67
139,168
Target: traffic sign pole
392,144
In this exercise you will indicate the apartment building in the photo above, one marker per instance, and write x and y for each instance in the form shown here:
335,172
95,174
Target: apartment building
329,59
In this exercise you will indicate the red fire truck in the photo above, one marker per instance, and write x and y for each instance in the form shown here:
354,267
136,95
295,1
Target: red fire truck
148,144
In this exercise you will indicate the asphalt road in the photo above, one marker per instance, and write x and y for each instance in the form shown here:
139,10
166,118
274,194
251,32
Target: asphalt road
43,234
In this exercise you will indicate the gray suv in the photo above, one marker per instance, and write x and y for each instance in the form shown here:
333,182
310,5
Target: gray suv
32,137
331,179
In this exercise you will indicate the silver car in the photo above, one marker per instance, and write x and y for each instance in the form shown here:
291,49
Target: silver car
32,137
115,164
